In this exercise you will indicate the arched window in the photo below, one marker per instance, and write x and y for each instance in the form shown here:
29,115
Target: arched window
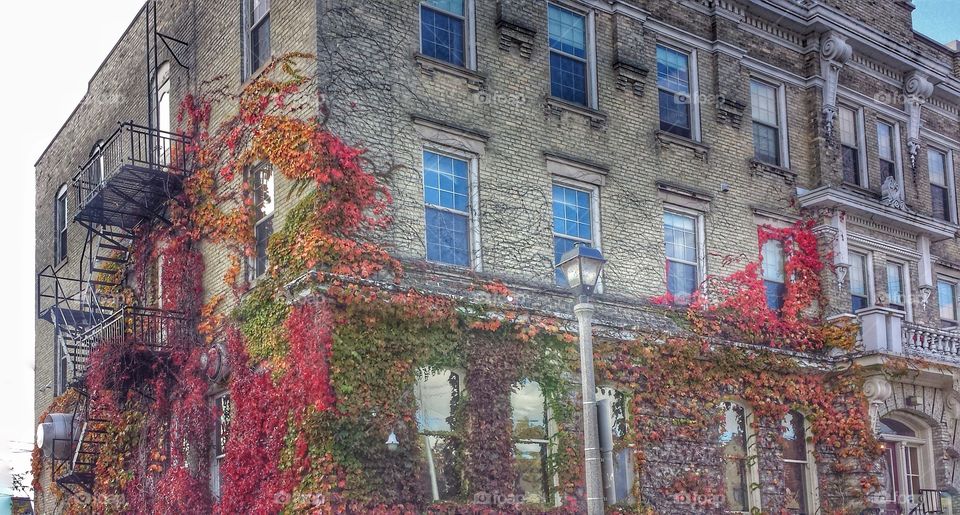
738,472
163,97
531,438
96,166
798,465
438,394
907,461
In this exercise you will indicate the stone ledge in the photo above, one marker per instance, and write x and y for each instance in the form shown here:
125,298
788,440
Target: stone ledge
666,139
556,106
430,66
760,168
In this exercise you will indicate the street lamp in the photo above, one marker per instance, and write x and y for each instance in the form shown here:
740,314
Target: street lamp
582,266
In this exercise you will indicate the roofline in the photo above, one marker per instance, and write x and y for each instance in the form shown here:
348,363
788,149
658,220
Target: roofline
934,43
89,82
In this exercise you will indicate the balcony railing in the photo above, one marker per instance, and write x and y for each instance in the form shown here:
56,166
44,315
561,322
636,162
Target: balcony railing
148,328
885,330
130,175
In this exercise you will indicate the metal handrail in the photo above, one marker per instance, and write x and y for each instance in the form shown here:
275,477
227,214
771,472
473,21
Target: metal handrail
130,145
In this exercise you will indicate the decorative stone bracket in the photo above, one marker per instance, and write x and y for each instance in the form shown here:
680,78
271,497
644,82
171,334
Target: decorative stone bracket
666,139
513,34
877,390
891,194
630,76
730,111
834,226
925,269
917,90
834,53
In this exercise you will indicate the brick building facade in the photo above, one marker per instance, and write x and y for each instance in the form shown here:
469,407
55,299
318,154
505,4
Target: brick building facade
701,118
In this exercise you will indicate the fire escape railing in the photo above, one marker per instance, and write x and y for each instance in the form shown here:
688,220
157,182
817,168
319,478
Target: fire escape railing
131,146
150,328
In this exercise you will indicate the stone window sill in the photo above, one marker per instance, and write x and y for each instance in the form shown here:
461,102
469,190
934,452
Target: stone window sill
666,139
430,66
761,168
556,106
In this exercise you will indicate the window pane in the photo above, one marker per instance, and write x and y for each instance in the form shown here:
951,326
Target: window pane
940,199
936,163
260,44
848,127
795,486
851,164
263,231
947,298
441,467
733,443
766,144
887,169
445,182
890,426
858,274
794,436
763,100
568,78
681,279
260,8
437,394
263,191
895,284
912,460
567,31
772,261
529,412
530,460
571,212
672,70
679,236
885,141
775,294
447,237
441,33
674,114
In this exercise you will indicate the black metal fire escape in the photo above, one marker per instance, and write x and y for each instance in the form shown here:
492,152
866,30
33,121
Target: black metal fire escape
123,188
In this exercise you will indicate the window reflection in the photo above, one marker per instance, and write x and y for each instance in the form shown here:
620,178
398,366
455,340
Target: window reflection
438,395
531,437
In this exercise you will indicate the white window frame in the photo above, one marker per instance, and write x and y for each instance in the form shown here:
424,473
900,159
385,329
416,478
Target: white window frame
61,233
692,67
904,286
215,486
868,275
248,24
469,33
594,192
473,174
948,177
956,299
589,20
783,127
700,232
811,485
163,97
895,147
863,170
269,217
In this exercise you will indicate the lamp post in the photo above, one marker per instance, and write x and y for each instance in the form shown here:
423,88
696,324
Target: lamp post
581,266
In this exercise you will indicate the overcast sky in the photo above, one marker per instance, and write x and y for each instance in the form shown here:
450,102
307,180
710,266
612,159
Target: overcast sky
53,48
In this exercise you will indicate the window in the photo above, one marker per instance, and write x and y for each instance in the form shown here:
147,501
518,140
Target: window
859,281
947,299
438,394
223,410
736,470
256,34
622,455
96,166
774,277
446,197
61,362
896,294
572,222
765,106
444,29
906,462
163,97
886,144
262,190
530,436
850,146
673,85
940,195
798,469
60,225
680,238
569,67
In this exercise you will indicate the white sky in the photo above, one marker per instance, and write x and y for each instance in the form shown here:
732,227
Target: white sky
53,48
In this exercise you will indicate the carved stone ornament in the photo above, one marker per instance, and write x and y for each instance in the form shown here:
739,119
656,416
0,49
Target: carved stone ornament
891,194
917,90
834,53
214,363
877,390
